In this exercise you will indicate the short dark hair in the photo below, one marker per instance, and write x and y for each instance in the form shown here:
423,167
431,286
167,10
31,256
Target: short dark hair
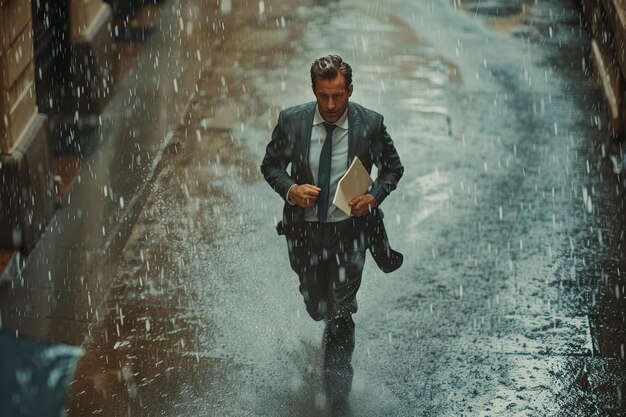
329,67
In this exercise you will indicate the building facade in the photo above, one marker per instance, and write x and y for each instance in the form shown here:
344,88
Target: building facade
56,60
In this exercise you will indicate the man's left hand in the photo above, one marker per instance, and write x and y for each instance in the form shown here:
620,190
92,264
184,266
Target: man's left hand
362,204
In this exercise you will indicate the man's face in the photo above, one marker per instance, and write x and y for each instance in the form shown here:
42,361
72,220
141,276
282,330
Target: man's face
332,97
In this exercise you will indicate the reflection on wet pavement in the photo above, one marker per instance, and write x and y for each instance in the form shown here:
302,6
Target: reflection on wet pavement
487,327
151,349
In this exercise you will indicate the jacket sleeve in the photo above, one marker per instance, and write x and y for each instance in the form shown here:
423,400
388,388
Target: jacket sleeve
276,160
387,161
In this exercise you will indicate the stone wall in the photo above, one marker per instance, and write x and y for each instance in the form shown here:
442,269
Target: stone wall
18,104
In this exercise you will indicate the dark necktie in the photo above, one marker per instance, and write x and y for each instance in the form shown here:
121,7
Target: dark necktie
323,174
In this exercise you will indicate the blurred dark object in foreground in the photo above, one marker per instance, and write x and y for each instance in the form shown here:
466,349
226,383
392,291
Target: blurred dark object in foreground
34,376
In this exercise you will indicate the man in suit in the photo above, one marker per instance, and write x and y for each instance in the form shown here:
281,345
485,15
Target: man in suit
327,247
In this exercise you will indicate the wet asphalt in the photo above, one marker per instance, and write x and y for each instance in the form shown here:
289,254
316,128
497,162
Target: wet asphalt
510,217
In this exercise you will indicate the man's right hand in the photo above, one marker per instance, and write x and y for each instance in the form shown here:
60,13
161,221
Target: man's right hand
304,195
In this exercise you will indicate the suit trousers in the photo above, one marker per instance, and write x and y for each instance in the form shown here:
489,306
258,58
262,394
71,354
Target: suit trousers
334,255
329,283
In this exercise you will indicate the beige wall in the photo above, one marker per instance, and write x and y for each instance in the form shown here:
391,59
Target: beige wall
18,103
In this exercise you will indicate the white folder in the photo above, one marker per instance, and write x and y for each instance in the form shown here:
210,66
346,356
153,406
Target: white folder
356,181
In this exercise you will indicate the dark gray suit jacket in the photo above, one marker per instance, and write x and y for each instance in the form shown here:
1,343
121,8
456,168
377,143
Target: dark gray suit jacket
368,139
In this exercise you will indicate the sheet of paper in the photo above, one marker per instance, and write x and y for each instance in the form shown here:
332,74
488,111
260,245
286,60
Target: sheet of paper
356,181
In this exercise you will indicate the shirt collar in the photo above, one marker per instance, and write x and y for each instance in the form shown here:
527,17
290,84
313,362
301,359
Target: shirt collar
342,122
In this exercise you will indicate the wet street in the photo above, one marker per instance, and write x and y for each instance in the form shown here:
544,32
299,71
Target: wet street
165,265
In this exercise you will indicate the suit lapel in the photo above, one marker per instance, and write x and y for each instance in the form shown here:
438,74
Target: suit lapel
354,124
305,137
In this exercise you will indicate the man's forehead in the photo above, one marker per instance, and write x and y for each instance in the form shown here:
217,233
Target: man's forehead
322,90
336,85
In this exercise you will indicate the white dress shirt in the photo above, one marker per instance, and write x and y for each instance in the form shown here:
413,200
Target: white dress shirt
338,165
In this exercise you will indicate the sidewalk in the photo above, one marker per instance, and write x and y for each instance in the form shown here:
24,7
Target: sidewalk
147,341
65,278
67,155
108,274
